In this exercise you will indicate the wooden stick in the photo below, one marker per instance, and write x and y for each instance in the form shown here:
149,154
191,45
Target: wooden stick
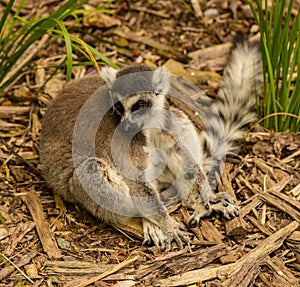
16,237
279,268
211,52
284,204
182,262
10,112
34,205
150,11
197,7
110,271
249,271
235,226
258,254
253,202
133,227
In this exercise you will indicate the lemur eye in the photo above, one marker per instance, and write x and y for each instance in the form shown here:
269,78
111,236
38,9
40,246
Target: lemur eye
140,105
119,107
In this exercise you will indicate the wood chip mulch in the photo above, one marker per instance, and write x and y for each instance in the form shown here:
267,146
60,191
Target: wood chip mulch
46,242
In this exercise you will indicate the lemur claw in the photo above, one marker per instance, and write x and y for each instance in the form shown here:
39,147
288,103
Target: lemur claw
220,203
164,239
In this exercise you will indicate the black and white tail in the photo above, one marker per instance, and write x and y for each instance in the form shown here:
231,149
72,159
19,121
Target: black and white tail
235,107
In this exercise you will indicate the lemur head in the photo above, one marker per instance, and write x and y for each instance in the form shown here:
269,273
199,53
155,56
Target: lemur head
138,93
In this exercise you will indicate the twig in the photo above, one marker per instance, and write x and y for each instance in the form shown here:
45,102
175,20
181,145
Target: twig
150,11
258,254
109,272
9,112
25,59
197,7
31,166
24,260
33,203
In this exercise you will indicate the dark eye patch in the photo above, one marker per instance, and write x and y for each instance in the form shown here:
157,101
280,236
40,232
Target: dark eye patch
119,107
141,105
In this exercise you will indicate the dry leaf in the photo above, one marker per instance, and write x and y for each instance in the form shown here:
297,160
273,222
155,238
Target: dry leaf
54,86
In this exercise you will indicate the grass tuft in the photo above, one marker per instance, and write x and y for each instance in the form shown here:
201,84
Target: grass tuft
18,36
279,109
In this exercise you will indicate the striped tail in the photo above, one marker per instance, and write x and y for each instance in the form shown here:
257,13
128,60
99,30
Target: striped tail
235,107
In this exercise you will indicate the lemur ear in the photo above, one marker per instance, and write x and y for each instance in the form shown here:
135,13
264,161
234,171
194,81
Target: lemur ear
108,74
161,80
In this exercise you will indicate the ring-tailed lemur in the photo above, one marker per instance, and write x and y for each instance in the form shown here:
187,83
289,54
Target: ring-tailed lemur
119,165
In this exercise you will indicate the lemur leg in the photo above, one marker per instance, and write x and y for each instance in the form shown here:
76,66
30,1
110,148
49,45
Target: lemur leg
162,229
186,182
209,202
199,195
107,190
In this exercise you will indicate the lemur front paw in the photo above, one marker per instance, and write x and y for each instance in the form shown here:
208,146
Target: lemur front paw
225,204
163,237
220,203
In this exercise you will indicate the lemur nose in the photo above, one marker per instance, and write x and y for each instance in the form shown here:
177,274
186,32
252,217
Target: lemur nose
129,127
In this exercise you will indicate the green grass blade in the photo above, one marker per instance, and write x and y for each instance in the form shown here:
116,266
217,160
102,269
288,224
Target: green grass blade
271,99
2,220
4,16
68,44
65,10
13,23
88,51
